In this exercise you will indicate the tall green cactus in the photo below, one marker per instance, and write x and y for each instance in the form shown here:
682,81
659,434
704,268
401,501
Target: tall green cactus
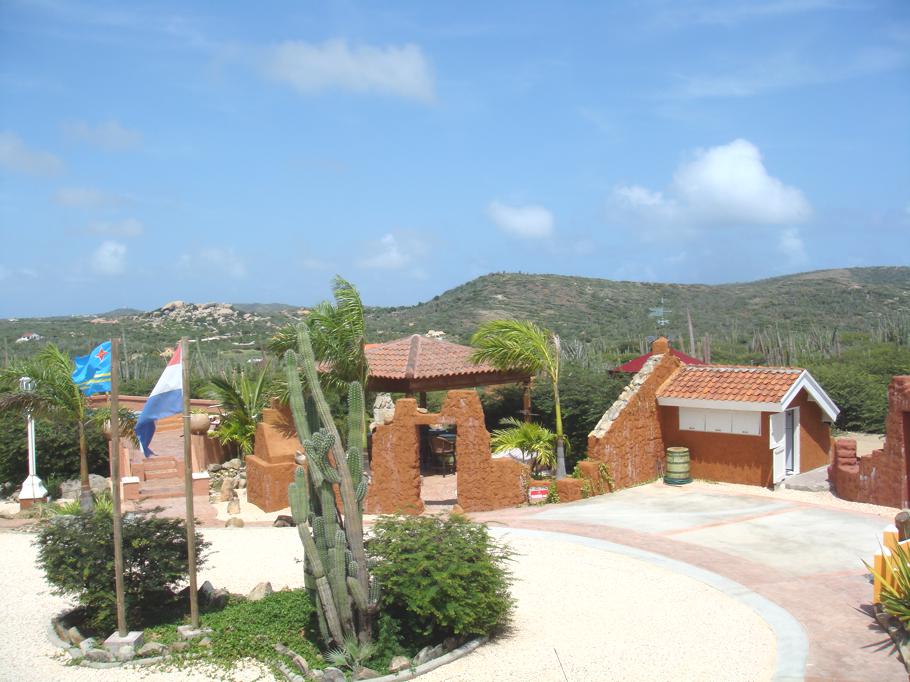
335,569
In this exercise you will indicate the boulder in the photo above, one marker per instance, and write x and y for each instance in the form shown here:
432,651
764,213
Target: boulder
126,653
234,522
69,490
179,645
151,649
99,655
333,675
227,490
233,463
205,592
214,467
87,644
75,636
399,663
428,654
284,521
366,674
233,506
261,591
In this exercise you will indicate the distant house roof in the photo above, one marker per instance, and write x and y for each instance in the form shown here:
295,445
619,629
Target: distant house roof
635,364
417,363
755,388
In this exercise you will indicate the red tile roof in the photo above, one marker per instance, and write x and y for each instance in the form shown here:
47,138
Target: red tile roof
635,364
420,357
746,384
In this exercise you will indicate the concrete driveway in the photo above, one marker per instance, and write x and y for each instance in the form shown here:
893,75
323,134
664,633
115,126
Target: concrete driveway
802,556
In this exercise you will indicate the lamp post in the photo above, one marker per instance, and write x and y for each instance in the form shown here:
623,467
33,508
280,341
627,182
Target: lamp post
32,488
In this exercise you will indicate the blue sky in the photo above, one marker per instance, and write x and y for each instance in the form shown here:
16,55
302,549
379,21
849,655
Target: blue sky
246,152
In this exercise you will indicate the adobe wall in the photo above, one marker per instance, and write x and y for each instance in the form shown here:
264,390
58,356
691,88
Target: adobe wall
270,469
484,483
734,458
628,437
881,477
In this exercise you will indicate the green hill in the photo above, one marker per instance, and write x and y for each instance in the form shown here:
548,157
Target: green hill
856,299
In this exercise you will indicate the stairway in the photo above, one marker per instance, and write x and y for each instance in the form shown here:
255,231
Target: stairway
162,477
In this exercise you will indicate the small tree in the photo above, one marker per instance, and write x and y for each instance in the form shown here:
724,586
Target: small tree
242,399
511,344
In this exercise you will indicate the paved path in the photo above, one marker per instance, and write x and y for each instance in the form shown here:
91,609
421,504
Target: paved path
805,558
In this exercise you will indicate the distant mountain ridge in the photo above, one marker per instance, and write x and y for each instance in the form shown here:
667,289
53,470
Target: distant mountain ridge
582,308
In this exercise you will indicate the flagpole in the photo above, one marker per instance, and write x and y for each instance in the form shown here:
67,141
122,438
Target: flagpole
188,484
115,487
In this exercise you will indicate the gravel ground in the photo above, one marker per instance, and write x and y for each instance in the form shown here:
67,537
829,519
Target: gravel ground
607,616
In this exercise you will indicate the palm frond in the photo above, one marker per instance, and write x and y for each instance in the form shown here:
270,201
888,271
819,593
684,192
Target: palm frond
512,344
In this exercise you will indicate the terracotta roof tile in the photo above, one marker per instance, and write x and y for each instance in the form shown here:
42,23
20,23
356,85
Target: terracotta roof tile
745,384
419,357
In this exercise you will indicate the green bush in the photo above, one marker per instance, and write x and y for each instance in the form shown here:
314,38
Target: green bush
440,577
57,450
77,555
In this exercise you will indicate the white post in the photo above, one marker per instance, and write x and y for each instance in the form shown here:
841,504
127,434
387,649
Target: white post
32,488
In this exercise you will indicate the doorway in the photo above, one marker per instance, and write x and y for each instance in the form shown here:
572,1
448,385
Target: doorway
438,467
791,440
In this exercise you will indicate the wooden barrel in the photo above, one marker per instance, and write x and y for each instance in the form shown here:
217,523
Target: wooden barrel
677,466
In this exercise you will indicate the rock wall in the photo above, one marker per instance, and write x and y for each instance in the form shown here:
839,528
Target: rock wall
881,477
484,483
628,437
270,469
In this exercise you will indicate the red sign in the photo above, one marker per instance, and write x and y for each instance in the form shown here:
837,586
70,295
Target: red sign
538,493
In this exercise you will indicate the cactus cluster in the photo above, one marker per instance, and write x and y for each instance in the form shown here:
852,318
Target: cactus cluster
335,566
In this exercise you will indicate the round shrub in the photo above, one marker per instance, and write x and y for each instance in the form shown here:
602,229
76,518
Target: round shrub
440,577
77,555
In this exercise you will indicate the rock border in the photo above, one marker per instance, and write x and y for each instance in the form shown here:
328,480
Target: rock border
76,654
408,673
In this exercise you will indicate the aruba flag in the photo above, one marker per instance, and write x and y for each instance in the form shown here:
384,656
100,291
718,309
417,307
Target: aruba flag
165,400
93,371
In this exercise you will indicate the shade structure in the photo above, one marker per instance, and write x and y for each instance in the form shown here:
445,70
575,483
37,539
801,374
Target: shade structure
635,364
417,364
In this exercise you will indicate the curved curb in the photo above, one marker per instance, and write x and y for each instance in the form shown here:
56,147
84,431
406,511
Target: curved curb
789,634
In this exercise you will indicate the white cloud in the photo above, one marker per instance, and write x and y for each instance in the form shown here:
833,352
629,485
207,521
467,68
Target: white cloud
792,247
726,185
109,258
108,135
528,221
85,197
224,260
389,256
129,227
16,156
309,67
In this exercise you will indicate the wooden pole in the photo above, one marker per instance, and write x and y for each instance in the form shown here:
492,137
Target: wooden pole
691,332
115,488
188,484
526,401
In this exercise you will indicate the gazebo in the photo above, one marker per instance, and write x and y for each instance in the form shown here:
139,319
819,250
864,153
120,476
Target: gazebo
417,364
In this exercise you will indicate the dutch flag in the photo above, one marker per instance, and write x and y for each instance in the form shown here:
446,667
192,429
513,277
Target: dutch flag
165,400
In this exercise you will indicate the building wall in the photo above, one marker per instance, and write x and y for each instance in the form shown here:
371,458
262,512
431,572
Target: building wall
729,457
628,438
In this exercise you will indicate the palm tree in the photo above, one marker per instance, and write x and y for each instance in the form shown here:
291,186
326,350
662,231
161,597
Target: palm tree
338,335
242,398
511,345
534,441
55,395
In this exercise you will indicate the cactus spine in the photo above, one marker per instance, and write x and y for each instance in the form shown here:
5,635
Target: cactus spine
336,572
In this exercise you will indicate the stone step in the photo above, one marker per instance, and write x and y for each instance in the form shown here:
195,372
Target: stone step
161,488
161,473
155,463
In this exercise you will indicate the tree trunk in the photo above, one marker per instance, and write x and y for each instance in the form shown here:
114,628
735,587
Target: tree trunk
86,503
560,448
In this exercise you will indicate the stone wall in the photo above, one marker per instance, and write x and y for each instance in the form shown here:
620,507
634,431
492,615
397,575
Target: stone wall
628,437
484,483
881,477
270,469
